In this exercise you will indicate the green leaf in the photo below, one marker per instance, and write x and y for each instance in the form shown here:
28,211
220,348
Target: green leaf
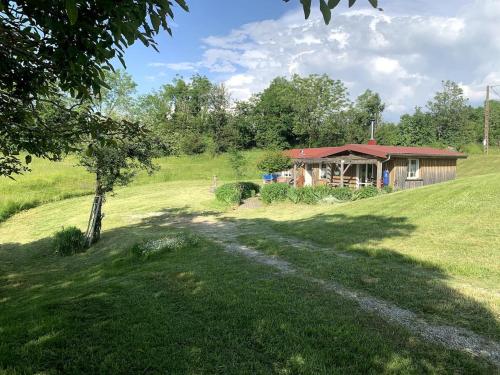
122,61
183,4
374,3
155,21
333,3
327,13
351,3
306,4
72,11
89,151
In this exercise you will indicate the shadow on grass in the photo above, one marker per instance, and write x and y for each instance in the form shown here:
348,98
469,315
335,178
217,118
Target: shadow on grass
198,311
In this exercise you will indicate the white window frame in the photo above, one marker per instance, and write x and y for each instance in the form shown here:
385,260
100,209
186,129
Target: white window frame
322,167
287,173
417,172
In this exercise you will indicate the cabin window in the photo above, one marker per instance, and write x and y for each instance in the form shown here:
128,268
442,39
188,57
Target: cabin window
413,168
322,171
287,173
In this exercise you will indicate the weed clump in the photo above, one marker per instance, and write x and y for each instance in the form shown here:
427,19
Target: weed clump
167,243
69,241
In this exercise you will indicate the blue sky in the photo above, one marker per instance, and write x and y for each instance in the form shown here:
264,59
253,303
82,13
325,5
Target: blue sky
403,52
205,18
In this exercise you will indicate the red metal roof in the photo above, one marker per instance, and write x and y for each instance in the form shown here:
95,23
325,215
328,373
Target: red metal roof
312,153
373,150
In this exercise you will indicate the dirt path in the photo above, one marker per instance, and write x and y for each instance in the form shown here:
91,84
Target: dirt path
225,233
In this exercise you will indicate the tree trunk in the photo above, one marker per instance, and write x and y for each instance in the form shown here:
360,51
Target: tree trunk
95,220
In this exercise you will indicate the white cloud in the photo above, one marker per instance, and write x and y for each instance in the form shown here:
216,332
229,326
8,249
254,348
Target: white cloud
181,66
385,65
403,53
157,64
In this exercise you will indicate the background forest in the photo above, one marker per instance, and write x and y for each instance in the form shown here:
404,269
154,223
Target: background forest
195,115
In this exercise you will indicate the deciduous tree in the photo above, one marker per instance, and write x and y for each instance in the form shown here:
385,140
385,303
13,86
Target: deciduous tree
123,148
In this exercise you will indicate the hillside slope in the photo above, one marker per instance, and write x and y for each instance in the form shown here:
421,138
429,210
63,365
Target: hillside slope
108,311
434,250
54,181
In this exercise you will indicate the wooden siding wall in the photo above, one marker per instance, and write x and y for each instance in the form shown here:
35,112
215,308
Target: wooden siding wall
432,171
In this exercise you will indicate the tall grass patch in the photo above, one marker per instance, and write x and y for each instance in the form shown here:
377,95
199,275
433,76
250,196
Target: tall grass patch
274,193
69,241
236,192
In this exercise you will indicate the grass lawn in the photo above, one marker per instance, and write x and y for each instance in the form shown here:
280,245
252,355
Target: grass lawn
192,310
434,250
51,181
478,164
196,310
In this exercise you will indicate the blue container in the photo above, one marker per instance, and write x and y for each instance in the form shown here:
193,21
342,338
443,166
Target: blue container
268,177
386,177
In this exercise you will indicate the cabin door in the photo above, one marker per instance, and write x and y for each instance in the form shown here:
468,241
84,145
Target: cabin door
365,174
308,175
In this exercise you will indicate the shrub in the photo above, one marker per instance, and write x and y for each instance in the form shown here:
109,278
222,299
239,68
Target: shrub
234,193
228,193
273,162
69,241
341,193
248,189
274,192
309,195
322,191
237,161
312,195
167,243
305,195
294,195
365,192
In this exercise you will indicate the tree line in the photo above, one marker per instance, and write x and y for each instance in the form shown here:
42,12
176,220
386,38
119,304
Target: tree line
195,115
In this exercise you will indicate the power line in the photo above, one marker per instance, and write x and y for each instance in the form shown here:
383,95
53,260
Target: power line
492,89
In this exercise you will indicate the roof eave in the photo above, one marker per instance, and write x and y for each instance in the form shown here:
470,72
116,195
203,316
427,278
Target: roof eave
461,156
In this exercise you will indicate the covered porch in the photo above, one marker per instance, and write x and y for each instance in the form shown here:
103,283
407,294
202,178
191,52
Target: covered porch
350,170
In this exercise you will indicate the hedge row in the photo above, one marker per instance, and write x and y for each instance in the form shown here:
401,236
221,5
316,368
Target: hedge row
234,193
313,194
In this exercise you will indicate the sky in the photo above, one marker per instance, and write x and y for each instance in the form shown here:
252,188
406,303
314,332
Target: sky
403,52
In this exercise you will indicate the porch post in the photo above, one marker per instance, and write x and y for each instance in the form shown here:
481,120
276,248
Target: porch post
294,175
342,173
379,174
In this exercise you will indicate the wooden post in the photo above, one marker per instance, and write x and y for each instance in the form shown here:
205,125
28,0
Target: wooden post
294,175
214,184
379,175
342,173
486,140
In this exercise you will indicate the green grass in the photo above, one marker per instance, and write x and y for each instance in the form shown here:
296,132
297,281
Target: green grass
476,165
432,250
195,310
51,181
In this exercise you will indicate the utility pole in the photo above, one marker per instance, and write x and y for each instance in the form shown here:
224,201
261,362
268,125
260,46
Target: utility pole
486,141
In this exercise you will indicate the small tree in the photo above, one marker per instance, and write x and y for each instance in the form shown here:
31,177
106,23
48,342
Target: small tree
274,161
238,162
115,158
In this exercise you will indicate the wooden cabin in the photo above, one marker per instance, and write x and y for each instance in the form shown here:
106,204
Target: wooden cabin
358,165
